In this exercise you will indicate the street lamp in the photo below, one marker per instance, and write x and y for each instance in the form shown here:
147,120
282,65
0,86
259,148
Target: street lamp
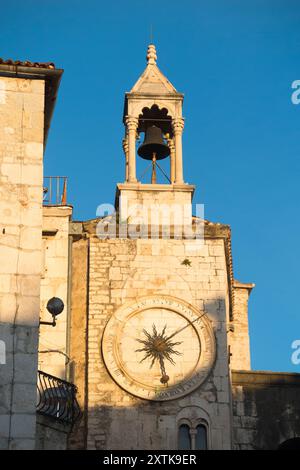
54,306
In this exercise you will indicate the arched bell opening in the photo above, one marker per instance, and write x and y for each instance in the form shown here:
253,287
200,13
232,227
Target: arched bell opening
155,116
156,144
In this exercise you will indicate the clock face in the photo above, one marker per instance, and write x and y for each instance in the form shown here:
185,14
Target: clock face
160,348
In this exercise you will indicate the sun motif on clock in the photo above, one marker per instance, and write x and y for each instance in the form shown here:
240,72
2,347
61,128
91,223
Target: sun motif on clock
159,348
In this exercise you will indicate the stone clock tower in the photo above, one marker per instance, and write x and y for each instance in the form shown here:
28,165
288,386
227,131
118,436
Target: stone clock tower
158,321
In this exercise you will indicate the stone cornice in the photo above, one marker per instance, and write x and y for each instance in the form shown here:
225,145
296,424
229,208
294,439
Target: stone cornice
265,378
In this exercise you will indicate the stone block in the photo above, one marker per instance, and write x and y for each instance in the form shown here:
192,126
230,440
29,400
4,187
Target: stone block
215,250
30,285
115,274
35,150
27,338
9,258
23,425
244,436
8,305
5,283
26,369
24,396
30,238
29,262
3,440
22,444
28,310
4,425
33,102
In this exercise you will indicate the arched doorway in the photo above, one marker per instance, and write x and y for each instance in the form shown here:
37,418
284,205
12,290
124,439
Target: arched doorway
290,444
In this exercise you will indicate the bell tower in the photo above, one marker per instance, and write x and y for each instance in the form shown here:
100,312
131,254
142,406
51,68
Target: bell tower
153,107
154,359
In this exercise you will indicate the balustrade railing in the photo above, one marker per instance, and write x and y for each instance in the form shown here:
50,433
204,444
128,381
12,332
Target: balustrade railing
55,191
57,399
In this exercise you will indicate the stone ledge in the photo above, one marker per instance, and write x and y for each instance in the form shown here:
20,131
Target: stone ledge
243,285
210,230
156,187
263,378
57,211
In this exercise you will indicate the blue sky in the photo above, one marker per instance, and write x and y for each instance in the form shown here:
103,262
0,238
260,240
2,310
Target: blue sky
235,62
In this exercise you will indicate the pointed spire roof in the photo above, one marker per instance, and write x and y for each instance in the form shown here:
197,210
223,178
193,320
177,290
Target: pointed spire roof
152,80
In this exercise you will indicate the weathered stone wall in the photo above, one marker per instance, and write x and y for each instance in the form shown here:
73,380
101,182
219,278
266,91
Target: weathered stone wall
239,337
156,204
121,271
54,283
266,409
78,335
21,179
50,434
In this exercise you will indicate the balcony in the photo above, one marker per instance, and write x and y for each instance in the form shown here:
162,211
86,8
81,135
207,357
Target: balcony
57,399
55,191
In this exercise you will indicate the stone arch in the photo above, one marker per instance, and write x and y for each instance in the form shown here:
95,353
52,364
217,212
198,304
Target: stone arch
193,416
290,444
157,116
137,108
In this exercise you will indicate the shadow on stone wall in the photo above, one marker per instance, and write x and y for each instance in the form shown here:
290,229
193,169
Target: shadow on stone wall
266,409
148,423
270,421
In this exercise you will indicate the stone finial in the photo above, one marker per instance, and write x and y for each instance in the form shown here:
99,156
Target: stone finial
151,54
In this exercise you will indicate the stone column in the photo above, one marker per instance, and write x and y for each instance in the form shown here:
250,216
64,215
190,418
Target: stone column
193,434
132,124
125,149
178,124
172,159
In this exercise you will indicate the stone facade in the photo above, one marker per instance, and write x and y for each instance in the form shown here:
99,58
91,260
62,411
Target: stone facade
108,274
266,409
26,106
21,180
53,342
50,435
78,330
239,335
121,271
155,204
45,254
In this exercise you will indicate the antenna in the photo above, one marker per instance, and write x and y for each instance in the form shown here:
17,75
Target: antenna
151,33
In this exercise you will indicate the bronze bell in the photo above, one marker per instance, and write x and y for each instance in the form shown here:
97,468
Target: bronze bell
153,145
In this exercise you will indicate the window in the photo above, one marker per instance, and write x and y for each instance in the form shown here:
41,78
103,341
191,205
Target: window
192,438
184,437
201,438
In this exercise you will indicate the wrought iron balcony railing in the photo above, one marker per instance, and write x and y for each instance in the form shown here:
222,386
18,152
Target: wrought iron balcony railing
57,399
55,191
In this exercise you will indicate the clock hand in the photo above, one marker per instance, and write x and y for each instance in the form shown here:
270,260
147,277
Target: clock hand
164,377
184,327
